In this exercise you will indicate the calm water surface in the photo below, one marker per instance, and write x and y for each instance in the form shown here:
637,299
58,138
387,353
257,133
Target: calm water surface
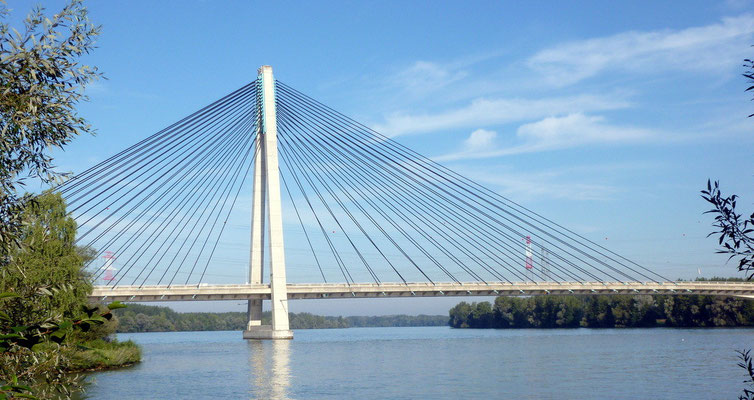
434,362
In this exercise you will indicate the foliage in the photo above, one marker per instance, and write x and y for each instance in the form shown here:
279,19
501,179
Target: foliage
734,230
720,279
749,74
142,318
41,83
44,310
746,364
31,356
47,260
617,311
98,354
395,320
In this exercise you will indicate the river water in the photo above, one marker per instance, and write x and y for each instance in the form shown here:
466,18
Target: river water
434,362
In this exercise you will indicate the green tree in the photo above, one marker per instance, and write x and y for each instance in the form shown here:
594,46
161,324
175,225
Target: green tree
481,315
503,310
459,315
46,297
41,84
47,259
734,230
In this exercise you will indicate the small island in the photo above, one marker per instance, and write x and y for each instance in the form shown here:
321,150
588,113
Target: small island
617,311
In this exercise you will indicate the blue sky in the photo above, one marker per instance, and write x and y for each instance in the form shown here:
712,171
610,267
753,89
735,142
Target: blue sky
607,117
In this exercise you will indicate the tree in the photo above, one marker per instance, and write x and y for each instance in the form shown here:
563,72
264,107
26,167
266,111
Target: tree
41,84
47,259
481,315
459,315
733,228
45,300
735,231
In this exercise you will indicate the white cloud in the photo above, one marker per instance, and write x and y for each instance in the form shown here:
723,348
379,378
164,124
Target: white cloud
538,186
709,48
423,76
556,183
553,133
495,111
480,139
576,129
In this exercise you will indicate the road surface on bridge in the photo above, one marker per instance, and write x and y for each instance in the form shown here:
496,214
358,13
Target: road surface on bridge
361,290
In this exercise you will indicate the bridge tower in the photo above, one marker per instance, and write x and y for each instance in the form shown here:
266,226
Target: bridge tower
267,213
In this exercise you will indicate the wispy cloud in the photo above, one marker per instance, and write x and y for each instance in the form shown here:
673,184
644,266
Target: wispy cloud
96,87
552,133
495,111
711,48
423,76
576,129
552,186
736,4
558,183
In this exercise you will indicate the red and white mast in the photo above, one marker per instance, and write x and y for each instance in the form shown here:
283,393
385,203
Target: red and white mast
109,269
528,255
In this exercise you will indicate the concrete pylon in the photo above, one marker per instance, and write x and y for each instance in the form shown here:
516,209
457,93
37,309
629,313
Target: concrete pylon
266,197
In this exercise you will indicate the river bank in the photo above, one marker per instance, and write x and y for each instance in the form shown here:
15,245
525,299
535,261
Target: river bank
615,311
100,355
146,318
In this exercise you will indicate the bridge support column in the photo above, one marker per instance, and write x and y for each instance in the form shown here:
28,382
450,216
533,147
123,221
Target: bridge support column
267,196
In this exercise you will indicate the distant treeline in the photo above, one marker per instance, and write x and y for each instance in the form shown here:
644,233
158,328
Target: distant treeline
141,318
617,311
718,279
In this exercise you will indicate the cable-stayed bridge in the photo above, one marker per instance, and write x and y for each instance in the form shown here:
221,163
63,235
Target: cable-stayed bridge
421,289
216,193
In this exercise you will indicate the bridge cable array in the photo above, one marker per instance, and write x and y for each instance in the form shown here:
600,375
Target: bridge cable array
366,207
434,220
154,201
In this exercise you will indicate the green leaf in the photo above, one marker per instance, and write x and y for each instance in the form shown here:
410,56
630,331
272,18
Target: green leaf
19,328
89,310
65,325
58,337
96,319
25,396
5,295
116,305
9,336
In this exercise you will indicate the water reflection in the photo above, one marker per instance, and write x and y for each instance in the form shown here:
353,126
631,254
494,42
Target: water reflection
270,371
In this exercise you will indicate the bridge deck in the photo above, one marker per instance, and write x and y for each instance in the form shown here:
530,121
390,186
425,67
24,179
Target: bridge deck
364,290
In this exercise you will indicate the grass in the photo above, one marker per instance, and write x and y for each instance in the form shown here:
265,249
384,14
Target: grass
99,354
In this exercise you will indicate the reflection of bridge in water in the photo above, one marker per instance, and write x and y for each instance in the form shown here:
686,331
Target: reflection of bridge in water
366,209
270,369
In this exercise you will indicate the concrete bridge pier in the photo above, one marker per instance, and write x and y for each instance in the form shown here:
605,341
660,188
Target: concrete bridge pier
266,206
